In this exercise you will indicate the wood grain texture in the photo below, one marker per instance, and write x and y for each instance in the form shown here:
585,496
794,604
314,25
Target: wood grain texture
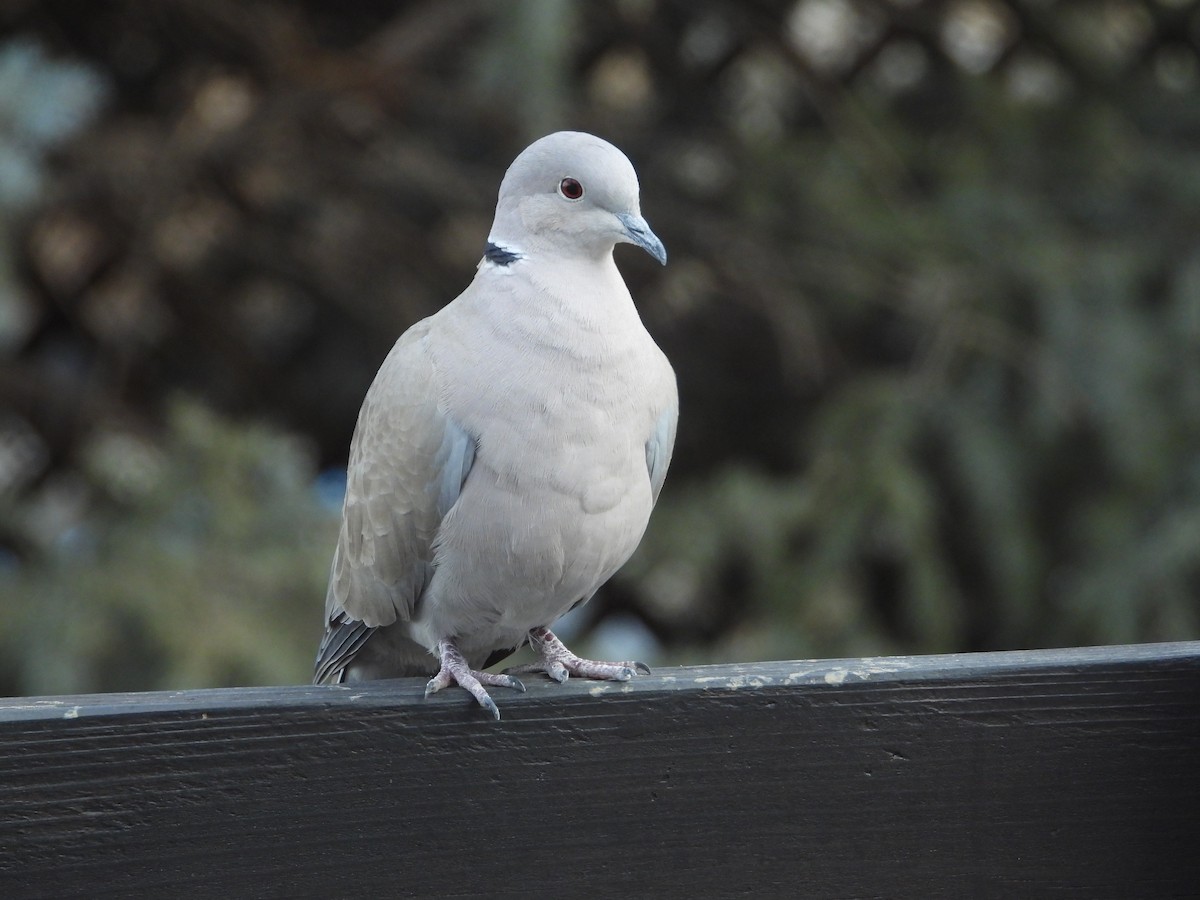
1009,775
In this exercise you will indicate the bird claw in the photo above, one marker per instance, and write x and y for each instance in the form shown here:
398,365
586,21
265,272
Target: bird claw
455,670
560,663
509,682
490,705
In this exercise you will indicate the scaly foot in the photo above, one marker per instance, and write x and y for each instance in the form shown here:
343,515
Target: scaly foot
560,663
455,670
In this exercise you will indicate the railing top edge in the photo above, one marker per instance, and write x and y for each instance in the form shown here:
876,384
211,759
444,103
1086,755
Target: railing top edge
799,674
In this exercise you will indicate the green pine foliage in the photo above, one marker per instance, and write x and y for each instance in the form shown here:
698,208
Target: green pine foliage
933,299
1006,451
200,563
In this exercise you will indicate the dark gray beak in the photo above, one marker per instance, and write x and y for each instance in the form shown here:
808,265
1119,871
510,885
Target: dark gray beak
637,231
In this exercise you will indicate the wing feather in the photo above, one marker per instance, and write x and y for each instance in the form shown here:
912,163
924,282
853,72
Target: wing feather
408,462
659,449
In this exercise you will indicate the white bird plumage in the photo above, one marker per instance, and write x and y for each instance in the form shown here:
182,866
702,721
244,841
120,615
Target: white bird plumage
511,448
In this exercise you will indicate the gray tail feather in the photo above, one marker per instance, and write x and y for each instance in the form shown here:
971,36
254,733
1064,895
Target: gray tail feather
344,637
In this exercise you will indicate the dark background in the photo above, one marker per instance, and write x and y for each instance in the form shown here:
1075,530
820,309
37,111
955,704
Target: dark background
933,299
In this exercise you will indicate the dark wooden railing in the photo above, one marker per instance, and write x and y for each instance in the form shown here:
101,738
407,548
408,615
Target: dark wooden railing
1057,773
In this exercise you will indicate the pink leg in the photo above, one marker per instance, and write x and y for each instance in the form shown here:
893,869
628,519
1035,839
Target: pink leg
560,663
455,670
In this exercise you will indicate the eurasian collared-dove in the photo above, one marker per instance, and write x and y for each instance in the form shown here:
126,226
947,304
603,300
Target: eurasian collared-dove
512,445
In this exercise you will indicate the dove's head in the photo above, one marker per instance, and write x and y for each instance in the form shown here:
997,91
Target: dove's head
571,194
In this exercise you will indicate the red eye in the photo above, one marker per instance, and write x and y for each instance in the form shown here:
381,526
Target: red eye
570,188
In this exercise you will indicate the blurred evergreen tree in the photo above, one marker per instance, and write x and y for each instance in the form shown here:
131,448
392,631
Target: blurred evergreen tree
196,564
934,302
